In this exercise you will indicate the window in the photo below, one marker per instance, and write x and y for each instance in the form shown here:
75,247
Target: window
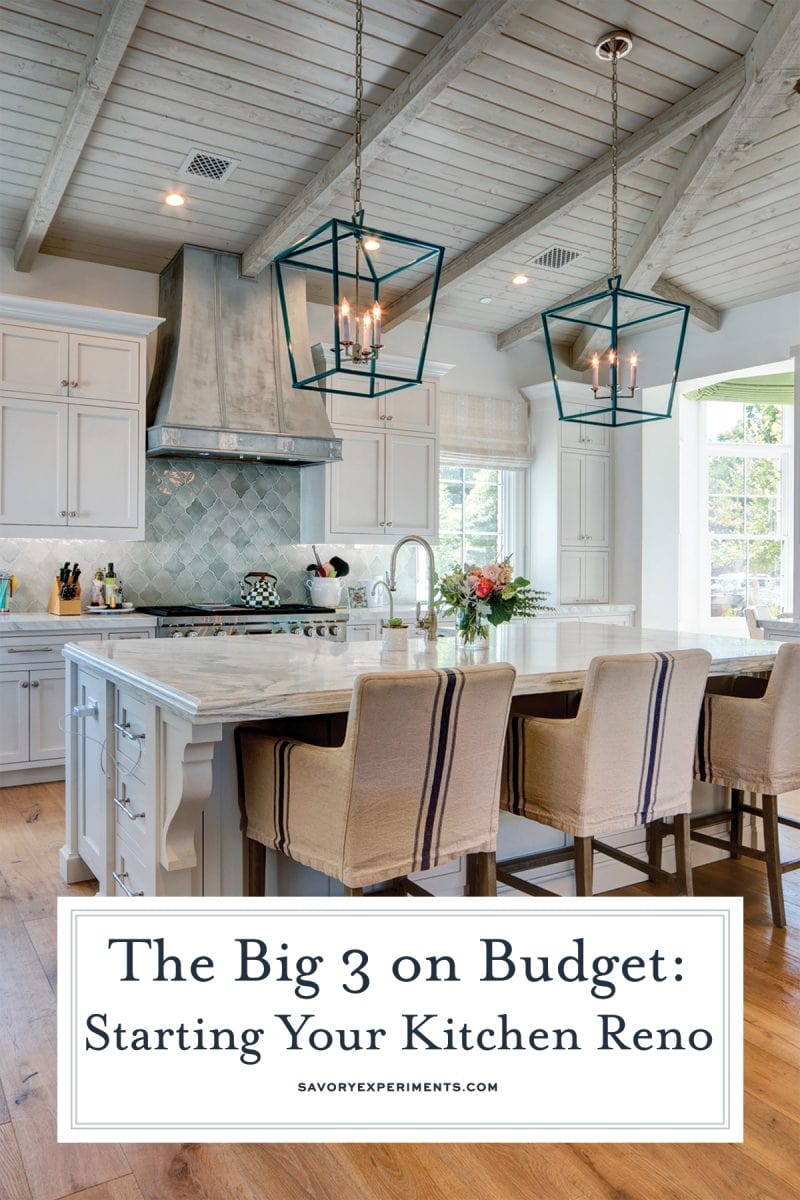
480,514
746,482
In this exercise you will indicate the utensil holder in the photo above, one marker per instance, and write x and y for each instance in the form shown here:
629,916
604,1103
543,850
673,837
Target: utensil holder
63,608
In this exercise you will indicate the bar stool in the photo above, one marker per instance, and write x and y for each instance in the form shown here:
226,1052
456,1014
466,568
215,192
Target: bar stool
624,760
415,784
751,743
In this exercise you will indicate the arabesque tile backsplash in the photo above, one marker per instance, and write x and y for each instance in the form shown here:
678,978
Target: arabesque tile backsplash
208,524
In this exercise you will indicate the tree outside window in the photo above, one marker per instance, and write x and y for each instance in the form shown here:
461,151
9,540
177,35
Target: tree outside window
471,507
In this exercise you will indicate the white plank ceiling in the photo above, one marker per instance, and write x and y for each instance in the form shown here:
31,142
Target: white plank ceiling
269,82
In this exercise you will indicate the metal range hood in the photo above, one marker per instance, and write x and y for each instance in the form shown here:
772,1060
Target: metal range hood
221,386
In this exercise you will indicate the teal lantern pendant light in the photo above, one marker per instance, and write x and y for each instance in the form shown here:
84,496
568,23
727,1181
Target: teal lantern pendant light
354,270
616,311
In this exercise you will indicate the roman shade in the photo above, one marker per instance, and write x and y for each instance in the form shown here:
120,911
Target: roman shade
755,389
485,429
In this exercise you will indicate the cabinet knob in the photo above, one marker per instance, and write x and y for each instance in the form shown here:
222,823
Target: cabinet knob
73,513
35,683
381,418
64,383
381,522
24,685
389,523
62,512
390,418
73,383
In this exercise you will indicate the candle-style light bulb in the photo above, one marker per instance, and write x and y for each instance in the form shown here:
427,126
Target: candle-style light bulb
344,322
595,371
634,362
376,324
612,357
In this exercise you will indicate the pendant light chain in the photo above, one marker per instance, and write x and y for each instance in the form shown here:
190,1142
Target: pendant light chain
359,104
614,162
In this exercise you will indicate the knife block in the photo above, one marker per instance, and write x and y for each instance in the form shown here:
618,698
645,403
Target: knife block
63,608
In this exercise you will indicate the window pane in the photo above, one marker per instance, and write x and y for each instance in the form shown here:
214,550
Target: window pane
728,589
450,507
726,476
449,471
480,506
481,475
764,424
448,552
725,422
764,577
726,514
481,549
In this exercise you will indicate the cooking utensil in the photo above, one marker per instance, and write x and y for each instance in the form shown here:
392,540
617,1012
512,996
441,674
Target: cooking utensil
341,567
317,560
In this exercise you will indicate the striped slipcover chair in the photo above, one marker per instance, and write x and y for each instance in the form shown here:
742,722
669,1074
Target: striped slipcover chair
751,743
415,784
624,760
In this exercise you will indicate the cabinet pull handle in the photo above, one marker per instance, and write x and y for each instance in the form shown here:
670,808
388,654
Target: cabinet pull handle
120,879
129,813
31,650
125,730
24,685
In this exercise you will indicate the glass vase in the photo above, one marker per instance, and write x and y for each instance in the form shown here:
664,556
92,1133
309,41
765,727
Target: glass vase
472,632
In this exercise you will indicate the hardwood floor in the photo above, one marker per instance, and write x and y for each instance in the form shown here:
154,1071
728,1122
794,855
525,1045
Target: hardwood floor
34,1167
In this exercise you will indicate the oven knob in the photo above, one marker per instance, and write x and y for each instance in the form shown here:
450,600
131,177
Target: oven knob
176,633
321,631
219,632
191,633
309,631
295,629
333,630
232,632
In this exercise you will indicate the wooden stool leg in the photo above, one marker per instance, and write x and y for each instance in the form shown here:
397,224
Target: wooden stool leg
683,854
772,855
482,874
584,862
654,836
256,868
737,799
348,891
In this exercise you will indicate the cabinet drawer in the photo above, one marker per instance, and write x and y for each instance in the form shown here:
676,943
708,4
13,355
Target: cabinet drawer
130,874
133,803
133,734
38,651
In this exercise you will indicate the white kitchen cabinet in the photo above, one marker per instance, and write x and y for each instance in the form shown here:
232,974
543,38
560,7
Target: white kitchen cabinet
583,577
571,497
357,485
412,484
72,419
46,699
102,368
585,500
362,631
14,724
412,410
34,360
103,466
33,464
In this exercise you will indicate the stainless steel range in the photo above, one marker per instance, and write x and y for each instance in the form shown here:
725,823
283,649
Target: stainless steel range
223,620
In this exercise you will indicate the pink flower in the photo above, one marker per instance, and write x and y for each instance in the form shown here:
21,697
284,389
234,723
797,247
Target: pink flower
491,571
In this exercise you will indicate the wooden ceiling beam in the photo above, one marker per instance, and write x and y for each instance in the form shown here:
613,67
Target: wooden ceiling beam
460,46
702,314
681,119
114,32
771,66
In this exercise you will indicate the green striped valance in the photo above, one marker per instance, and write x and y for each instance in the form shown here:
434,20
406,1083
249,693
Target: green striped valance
755,389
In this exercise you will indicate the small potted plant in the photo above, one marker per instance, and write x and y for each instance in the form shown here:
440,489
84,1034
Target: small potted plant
395,634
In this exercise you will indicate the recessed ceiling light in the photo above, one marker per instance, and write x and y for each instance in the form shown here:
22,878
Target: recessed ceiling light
371,243
174,199
519,280
485,300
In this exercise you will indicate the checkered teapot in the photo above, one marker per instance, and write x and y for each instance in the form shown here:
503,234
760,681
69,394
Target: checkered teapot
262,593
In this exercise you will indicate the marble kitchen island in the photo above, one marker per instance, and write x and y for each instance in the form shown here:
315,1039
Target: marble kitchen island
152,803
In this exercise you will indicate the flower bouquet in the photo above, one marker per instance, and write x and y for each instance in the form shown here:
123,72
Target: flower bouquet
484,596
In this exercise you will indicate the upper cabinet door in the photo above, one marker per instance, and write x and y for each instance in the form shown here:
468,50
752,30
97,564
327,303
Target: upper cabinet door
357,501
413,410
34,360
33,462
103,368
411,485
596,499
103,467
572,488
582,437
356,410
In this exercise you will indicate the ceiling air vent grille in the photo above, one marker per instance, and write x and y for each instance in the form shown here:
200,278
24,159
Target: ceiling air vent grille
556,258
207,167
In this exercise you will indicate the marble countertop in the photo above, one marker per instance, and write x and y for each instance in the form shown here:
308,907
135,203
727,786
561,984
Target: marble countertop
240,679
561,610
34,622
